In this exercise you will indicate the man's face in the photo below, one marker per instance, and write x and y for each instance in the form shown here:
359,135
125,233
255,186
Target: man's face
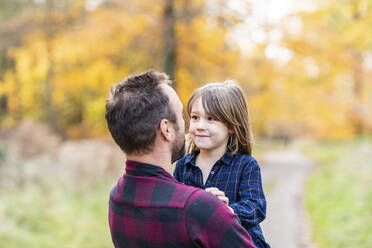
178,145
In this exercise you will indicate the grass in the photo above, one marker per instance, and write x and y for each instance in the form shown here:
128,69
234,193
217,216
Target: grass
47,213
339,195
3,155
54,217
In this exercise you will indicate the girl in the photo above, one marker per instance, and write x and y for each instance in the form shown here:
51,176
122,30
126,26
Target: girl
219,158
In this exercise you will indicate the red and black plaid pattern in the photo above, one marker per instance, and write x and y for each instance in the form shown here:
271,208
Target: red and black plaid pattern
148,208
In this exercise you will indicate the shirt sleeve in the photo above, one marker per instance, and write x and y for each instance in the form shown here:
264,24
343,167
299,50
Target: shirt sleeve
251,208
211,224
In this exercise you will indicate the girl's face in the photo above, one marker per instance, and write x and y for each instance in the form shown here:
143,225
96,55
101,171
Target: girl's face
208,134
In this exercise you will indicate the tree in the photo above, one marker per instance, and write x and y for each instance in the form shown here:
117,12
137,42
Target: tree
63,69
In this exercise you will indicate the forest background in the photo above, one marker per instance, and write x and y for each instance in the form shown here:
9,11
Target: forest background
307,77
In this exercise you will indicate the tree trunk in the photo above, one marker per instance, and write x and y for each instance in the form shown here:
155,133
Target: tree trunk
50,29
357,71
170,40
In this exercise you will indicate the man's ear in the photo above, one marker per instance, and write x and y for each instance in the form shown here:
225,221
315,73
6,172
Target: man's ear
165,129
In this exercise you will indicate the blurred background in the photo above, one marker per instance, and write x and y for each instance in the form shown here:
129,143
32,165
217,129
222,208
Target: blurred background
305,67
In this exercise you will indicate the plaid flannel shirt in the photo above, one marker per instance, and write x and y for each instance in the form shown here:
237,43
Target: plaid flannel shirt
149,208
240,178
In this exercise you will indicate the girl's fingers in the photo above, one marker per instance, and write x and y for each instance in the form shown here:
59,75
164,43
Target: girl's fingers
232,210
214,191
224,199
217,192
211,189
220,194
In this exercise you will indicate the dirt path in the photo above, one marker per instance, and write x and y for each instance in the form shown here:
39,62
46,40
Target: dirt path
284,174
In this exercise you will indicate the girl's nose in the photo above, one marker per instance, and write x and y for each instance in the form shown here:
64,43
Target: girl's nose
200,125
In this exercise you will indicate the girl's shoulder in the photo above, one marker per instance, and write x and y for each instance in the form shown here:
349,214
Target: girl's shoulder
243,156
245,159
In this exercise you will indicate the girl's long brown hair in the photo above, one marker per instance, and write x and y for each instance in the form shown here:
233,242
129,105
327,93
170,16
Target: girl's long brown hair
225,102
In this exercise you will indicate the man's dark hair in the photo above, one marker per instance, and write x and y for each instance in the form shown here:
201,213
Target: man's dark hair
134,109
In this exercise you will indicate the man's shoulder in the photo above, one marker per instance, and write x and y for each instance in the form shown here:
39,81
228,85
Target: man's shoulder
151,192
201,203
183,194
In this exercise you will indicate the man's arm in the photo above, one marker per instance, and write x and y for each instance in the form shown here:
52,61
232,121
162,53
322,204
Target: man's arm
211,224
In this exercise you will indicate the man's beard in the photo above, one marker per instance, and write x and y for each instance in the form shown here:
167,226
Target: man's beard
178,148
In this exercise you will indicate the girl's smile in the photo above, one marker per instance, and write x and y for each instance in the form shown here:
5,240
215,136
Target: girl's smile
201,136
206,132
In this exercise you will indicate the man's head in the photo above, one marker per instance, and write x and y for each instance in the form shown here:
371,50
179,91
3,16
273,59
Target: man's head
136,109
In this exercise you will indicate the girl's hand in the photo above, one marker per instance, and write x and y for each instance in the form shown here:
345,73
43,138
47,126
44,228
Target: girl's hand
220,194
232,210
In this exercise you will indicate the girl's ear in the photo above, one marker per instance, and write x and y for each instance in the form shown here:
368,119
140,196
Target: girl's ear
165,129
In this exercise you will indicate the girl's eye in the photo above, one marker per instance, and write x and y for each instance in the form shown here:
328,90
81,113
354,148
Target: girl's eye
210,118
194,117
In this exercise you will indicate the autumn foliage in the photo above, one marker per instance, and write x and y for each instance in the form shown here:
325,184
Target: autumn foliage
58,70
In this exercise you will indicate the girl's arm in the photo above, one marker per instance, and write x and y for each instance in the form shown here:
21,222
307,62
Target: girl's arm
251,208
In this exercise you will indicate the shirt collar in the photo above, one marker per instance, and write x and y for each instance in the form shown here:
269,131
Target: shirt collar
135,168
191,158
226,158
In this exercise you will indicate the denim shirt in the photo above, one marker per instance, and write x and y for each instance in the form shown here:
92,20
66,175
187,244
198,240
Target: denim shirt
239,177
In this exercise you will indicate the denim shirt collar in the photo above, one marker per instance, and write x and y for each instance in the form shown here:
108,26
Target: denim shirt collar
226,158
191,158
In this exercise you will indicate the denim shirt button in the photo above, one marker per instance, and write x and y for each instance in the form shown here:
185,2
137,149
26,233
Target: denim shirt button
212,172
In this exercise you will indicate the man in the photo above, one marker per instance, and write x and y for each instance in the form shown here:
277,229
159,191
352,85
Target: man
148,207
